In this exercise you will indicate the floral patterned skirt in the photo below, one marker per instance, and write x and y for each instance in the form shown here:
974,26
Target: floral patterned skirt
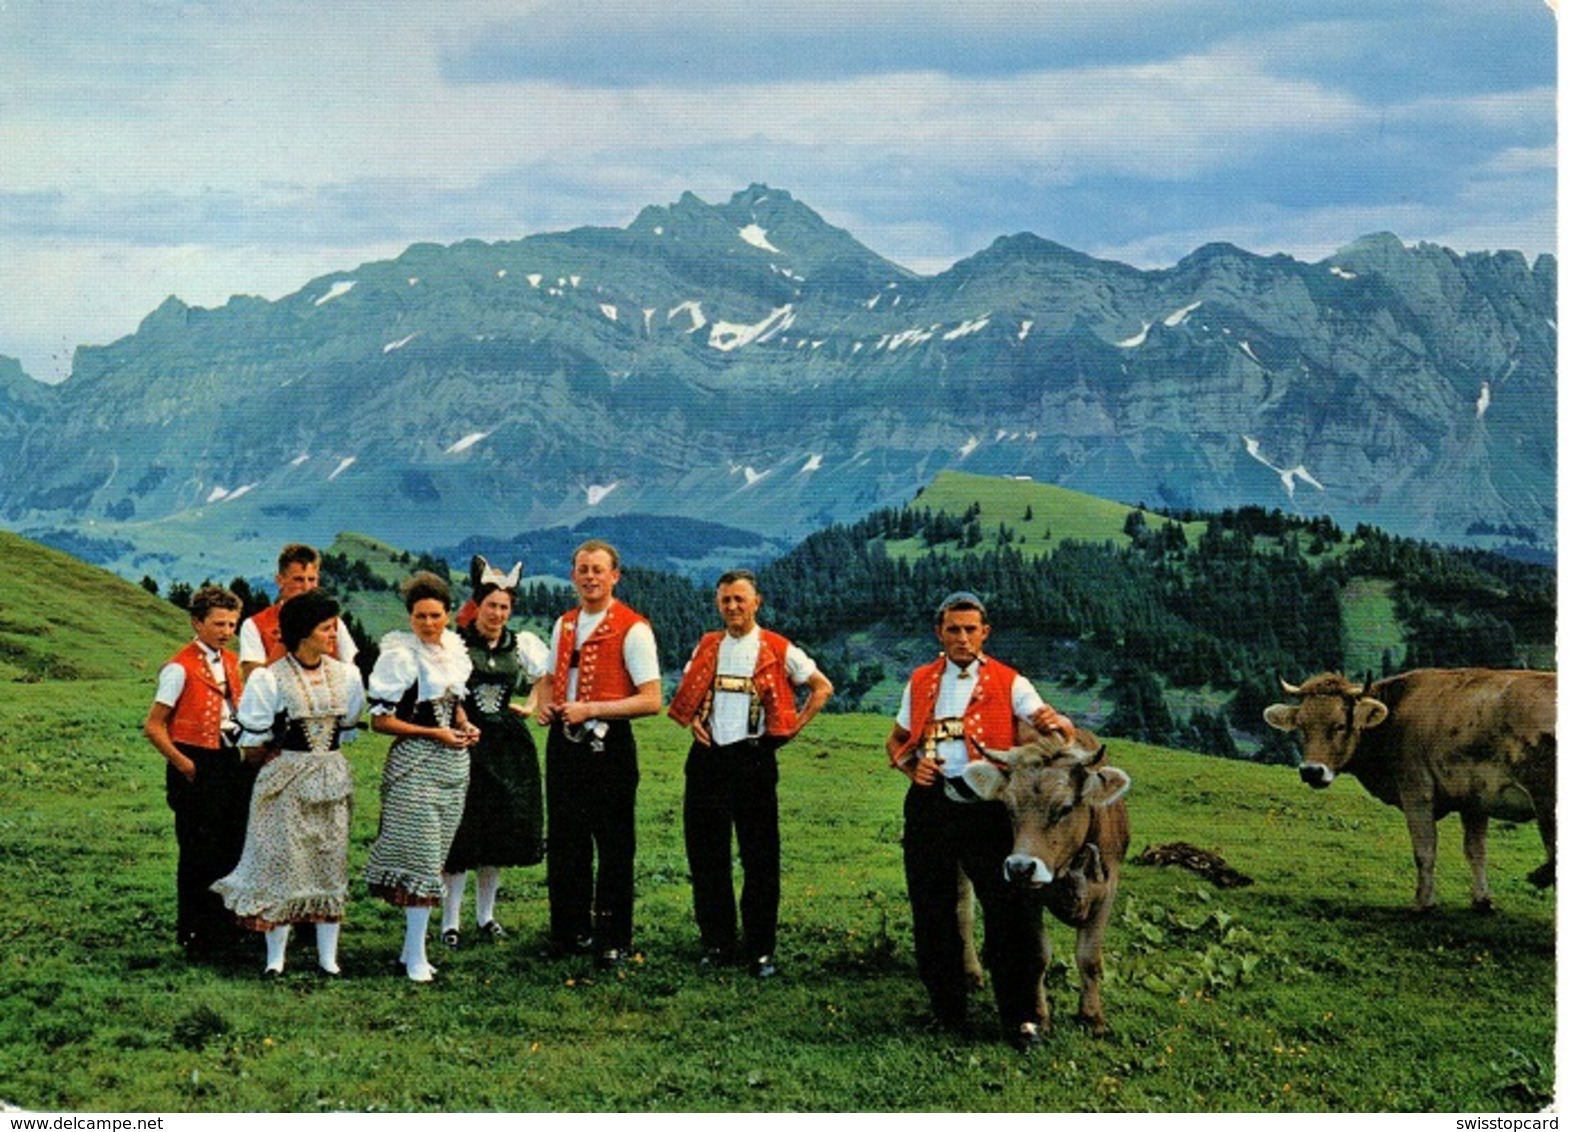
294,868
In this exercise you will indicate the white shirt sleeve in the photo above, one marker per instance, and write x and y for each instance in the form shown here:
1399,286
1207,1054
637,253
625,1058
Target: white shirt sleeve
347,649
555,644
1026,700
799,665
171,685
640,654
903,718
252,651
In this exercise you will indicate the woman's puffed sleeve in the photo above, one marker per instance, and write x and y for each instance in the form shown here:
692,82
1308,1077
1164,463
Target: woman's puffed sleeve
533,658
395,673
259,705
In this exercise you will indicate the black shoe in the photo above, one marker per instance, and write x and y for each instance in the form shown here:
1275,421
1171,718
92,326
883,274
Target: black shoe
271,974
610,959
714,958
451,938
764,967
1027,1037
493,930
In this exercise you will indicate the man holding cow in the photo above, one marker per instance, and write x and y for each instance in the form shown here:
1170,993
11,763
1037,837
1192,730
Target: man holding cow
954,708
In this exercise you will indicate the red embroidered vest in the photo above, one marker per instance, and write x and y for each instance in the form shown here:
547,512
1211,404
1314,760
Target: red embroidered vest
197,718
988,719
266,623
601,672
771,688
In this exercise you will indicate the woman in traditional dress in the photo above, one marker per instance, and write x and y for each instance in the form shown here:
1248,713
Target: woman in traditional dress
416,696
503,818
294,716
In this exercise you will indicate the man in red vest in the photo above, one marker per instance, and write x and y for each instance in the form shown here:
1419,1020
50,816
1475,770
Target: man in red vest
191,724
954,707
605,667
299,571
738,697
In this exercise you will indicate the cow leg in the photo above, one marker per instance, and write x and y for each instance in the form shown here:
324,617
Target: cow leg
966,911
1087,953
1547,824
1475,823
1545,799
1424,849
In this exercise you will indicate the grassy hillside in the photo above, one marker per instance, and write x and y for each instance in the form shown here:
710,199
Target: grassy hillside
60,618
1056,513
1313,989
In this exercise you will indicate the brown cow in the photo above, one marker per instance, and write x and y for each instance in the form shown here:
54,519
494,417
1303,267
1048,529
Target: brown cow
1070,834
1474,741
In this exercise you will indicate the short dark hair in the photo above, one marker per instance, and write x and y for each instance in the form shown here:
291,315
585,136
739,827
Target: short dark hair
300,616
208,598
425,586
730,577
594,544
298,553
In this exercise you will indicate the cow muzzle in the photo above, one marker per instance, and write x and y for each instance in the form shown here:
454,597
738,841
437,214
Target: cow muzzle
1026,872
1316,775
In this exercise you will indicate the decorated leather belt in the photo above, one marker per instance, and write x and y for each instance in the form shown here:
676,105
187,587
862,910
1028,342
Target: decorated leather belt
742,684
940,730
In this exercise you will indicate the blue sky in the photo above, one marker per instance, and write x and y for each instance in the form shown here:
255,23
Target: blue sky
205,148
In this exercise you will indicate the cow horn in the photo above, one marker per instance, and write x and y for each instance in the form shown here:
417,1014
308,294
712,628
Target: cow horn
1290,689
1001,758
1367,685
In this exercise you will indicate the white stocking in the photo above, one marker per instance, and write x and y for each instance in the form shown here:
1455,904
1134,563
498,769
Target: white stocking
452,899
486,885
327,947
277,944
416,923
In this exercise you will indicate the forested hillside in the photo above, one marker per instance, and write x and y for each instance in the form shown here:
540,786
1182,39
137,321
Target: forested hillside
1170,628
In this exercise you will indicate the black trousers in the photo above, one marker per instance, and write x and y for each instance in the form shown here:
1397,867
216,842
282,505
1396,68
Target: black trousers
734,787
591,807
210,813
940,837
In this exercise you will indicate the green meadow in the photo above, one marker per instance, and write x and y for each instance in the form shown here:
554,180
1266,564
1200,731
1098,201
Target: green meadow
1313,989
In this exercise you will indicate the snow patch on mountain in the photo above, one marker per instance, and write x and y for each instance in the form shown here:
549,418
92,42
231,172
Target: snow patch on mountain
1483,400
1248,350
968,446
1137,339
691,308
609,311
757,236
596,492
343,465
1180,315
1288,476
535,280
300,459
969,326
813,464
1341,272
341,287
1024,328
466,443
399,344
223,495
753,475
729,336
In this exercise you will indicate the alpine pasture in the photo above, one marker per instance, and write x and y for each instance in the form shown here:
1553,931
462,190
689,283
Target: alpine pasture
1313,989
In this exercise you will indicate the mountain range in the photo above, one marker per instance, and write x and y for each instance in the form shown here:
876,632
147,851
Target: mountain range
748,364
